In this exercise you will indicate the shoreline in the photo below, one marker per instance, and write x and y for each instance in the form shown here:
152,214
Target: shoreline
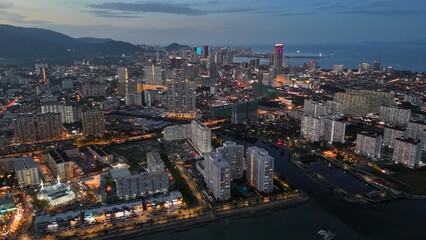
211,216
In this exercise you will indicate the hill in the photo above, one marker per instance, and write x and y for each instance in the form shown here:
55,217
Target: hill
20,42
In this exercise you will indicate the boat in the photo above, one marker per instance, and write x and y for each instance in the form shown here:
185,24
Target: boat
327,235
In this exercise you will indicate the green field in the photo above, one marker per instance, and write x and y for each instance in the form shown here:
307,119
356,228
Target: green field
411,181
135,152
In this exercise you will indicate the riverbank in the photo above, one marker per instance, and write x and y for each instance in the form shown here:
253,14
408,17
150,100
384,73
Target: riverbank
181,225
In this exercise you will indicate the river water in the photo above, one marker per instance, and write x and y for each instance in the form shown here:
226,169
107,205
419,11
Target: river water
403,219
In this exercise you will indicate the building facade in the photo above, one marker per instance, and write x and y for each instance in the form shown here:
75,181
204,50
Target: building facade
334,131
218,176
391,134
26,171
234,154
260,169
395,115
38,127
93,122
368,144
312,128
177,132
407,151
245,112
201,137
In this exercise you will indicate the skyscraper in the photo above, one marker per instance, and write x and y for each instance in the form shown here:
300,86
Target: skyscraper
368,144
407,151
260,169
376,65
244,112
93,122
39,127
278,56
181,97
201,137
123,76
205,51
312,128
334,131
153,75
218,175
234,154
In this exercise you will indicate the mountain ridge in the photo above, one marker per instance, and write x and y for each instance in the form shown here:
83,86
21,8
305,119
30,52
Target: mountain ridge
21,42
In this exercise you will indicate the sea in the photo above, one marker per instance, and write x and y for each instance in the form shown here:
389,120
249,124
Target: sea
399,56
396,219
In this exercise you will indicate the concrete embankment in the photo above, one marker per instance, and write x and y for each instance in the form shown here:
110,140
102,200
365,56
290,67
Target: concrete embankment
181,225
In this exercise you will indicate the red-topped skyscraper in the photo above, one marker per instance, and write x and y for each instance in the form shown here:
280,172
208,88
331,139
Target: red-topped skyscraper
278,57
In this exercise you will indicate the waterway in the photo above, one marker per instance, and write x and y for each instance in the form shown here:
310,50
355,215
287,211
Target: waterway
402,219
339,177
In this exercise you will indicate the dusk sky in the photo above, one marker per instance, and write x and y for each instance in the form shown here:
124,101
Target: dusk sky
224,21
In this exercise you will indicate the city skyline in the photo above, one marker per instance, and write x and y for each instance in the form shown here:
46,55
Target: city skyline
224,22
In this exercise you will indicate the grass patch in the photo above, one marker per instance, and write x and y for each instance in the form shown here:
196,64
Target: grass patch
411,181
134,152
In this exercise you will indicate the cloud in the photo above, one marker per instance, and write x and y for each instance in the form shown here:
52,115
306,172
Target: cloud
133,10
5,5
294,14
6,15
382,12
380,7
109,14
147,7
234,10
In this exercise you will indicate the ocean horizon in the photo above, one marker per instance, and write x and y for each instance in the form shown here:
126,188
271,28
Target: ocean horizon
399,56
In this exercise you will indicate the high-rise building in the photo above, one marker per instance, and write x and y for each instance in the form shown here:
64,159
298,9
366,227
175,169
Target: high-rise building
313,108
153,74
38,127
362,102
177,132
408,152
338,68
412,98
93,122
69,113
363,67
143,184
333,109
123,75
93,90
60,164
395,115
334,131
376,65
205,51
278,57
201,137
234,154
417,131
181,97
330,109
312,65
368,144
312,128
154,162
392,133
245,112
260,169
218,175
26,171
154,97
134,99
